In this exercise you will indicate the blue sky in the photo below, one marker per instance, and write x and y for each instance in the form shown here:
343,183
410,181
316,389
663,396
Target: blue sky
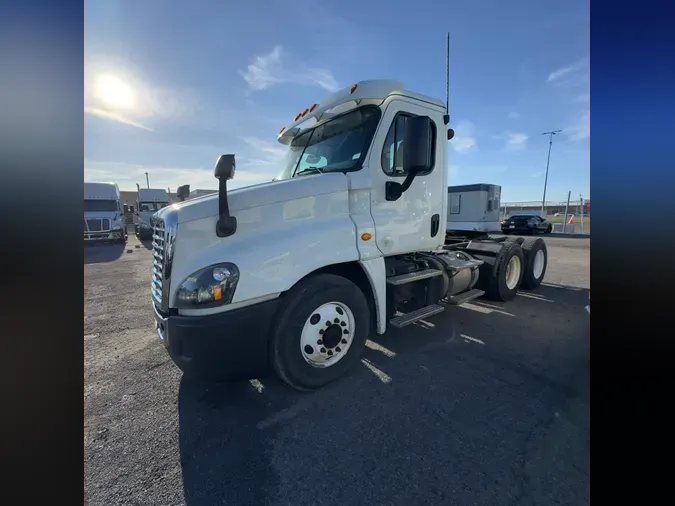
188,81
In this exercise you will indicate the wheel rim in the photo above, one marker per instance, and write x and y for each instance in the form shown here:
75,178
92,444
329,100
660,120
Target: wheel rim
327,334
513,269
538,266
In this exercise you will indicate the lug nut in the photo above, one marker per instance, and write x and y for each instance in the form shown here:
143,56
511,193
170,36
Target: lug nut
344,341
320,341
343,324
345,331
321,331
323,350
338,349
336,320
330,353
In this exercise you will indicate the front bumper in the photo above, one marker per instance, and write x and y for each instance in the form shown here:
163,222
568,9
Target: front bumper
109,235
516,230
223,347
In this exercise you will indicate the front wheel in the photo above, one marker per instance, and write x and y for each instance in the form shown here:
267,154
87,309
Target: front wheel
549,229
320,332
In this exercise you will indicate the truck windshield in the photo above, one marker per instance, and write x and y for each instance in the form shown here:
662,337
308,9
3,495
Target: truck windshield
337,145
100,206
151,206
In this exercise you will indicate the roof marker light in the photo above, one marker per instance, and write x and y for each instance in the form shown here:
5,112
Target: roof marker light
282,130
313,107
304,113
353,88
298,116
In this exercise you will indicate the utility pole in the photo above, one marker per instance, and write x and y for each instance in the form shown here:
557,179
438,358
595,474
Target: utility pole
548,159
581,211
147,180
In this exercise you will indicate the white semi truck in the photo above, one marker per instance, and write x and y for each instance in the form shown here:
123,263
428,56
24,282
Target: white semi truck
103,213
293,275
150,200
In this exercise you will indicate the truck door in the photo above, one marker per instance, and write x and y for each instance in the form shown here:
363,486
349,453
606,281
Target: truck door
414,222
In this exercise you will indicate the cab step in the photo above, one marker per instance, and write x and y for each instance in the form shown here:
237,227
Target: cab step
465,297
409,277
418,314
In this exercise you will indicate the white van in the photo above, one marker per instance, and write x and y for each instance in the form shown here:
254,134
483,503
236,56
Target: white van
150,200
103,214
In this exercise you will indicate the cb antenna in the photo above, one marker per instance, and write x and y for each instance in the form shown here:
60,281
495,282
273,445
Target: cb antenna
446,118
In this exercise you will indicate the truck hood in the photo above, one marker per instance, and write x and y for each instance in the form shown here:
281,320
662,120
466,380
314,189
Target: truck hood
261,195
101,214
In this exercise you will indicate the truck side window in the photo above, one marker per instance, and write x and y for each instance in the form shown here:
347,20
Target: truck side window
455,203
392,152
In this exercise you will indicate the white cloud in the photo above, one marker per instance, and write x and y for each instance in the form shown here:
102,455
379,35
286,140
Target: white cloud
273,68
513,141
514,115
464,139
580,65
516,141
102,113
580,130
537,174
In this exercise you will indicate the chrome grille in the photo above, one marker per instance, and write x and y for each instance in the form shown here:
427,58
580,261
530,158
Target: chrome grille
97,224
158,251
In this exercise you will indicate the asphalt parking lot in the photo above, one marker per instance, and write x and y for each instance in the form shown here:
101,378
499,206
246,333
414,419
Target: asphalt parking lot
485,403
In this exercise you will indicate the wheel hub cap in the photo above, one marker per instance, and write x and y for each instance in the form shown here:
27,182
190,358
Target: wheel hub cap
327,334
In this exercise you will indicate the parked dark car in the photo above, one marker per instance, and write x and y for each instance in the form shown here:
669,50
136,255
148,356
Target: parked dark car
527,224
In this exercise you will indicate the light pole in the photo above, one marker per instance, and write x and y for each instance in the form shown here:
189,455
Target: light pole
548,159
147,180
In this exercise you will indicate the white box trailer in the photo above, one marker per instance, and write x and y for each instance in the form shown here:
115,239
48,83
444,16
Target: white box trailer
473,208
103,213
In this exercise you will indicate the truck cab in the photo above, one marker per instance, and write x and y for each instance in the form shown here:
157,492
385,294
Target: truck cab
293,275
150,200
103,213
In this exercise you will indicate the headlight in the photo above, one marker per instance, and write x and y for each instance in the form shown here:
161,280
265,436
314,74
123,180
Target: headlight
208,287
117,226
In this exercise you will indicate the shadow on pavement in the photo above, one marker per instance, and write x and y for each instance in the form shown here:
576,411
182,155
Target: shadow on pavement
485,403
99,252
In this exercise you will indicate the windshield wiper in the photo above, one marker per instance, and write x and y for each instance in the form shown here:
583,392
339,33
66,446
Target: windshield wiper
309,170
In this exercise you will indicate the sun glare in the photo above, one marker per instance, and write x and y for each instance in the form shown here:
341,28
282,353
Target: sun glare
115,92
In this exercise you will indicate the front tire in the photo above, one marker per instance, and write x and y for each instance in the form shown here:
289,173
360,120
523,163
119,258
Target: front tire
320,331
549,229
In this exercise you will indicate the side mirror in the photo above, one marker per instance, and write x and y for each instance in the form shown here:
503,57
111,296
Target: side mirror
226,225
225,167
417,143
417,154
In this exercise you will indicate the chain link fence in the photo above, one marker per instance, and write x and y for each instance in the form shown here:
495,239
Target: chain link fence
571,218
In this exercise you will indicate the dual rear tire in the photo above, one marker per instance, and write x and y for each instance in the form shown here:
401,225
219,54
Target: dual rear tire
522,264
